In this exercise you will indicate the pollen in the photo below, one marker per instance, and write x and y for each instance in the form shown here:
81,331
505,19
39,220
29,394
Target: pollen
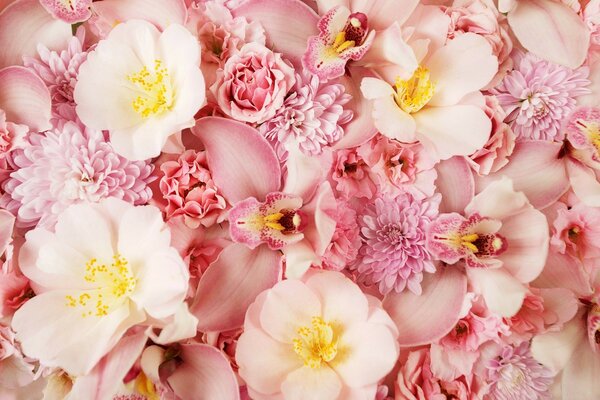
112,284
414,93
316,344
592,131
155,91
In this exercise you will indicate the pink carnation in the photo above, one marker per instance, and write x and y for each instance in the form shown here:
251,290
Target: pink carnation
11,135
538,95
69,165
189,190
253,83
351,175
393,255
576,232
345,243
59,72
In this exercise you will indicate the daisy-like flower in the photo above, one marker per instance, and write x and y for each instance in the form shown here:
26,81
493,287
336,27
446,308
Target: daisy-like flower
311,117
538,95
142,85
59,72
515,374
393,255
69,165
105,268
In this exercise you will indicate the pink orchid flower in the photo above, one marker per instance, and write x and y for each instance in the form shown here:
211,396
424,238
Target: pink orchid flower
70,11
268,218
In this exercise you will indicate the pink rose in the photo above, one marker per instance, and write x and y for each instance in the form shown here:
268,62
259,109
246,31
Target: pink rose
189,190
253,83
494,155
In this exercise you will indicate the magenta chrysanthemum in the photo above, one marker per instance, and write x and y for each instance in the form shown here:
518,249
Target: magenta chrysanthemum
393,254
515,374
310,118
538,95
69,165
59,72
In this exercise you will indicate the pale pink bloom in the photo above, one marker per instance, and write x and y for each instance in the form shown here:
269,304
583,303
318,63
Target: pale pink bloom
503,241
591,16
393,255
70,11
582,129
482,17
12,136
16,370
515,374
59,70
189,190
112,268
69,165
428,106
351,175
253,84
400,167
494,154
311,118
345,242
576,232
538,95
316,338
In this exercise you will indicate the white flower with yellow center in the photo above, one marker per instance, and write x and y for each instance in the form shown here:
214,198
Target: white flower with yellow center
107,267
142,85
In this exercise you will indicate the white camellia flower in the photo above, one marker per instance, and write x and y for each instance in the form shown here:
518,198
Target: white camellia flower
142,86
107,267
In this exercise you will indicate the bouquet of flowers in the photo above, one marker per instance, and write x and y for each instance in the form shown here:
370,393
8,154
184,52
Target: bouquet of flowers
299,199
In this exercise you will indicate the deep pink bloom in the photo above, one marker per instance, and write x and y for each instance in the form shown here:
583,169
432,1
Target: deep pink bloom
538,95
515,374
69,165
393,254
345,243
11,135
59,72
576,232
351,175
189,190
312,117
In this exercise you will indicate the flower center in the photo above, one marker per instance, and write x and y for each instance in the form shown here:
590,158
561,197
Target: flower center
414,93
286,221
591,131
484,244
154,86
316,344
593,326
113,282
353,34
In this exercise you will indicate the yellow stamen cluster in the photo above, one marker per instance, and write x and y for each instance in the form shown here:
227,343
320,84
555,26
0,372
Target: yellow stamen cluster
316,344
414,93
467,241
272,221
115,282
145,387
340,43
592,131
156,92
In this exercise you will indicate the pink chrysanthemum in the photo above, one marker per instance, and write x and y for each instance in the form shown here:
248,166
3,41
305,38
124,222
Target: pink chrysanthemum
69,165
538,95
515,374
59,72
311,117
393,255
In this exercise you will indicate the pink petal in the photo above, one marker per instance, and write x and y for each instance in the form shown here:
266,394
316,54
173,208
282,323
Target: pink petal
241,161
321,226
231,284
101,383
304,173
580,376
464,65
25,98
499,200
288,23
383,13
536,170
584,182
426,318
361,128
204,374
311,383
555,349
76,11
503,294
455,183
161,13
389,48
25,24
452,131
298,259
564,271
551,30
7,222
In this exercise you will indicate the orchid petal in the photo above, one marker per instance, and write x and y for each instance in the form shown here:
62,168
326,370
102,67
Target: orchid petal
389,47
161,13
580,376
448,286
536,169
322,208
555,349
455,183
241,161
73,11
205,373
25,24
584,183
503,293
383,13
304,173
550,30
564,271
288,23
231,284
298,259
